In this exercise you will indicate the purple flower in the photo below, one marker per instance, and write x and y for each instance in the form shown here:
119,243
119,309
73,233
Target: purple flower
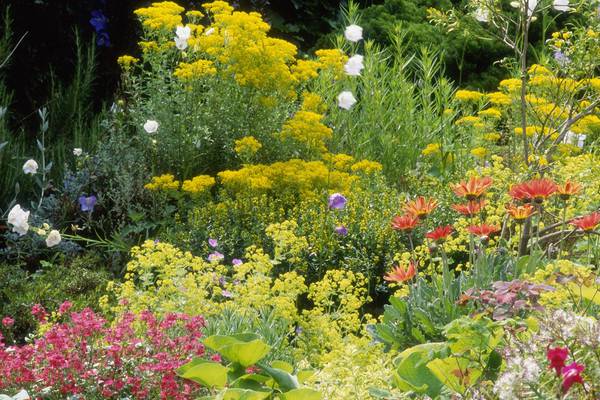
341,230
87,203
222,281
100,24
215,256
213,243
337,201
226,293
236,261
561,58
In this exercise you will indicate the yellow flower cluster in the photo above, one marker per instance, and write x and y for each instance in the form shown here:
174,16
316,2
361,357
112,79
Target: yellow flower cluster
163,182
499,99
307,128
313,102
195,70
468,95
332,60
470,120
165,15
306,178
198,185
287,246
126,62
367,167
247,146
492,112
340,161
431,148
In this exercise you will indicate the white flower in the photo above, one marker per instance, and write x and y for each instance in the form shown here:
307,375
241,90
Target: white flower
482,14
346,100
30,167
353,33
22,395
151,126
561,5
531,5
183,32
53,238
531,370
209,31
77,151
181,43
354,65
17,217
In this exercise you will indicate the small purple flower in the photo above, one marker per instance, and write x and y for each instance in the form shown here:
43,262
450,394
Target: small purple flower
156,241
226,293
236,261
215,256
213,243
561,58
100,24
222,281
337,201
299,330
87,203
341,230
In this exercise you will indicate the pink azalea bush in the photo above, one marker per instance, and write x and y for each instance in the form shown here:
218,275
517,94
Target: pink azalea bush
136,357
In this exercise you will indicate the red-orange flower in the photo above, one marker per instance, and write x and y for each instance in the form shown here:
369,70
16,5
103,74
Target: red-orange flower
588,222
568,189
440,233
536,190
399,274
406,222
473,189
420,207
483,231
471,208
520,213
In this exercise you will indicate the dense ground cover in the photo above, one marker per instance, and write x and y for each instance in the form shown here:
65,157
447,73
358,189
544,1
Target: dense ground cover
256,224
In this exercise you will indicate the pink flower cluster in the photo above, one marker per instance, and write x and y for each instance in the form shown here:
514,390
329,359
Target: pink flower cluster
135,357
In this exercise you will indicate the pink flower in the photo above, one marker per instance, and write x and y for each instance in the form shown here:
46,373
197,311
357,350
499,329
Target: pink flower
39,312
571,375
557,358
8,322
65,307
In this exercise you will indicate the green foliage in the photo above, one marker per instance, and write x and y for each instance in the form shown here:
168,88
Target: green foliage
236,381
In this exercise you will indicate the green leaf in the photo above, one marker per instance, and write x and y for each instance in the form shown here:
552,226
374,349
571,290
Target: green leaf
591,293
245,394
244,349
285,381
412,372
454,373
207,373
287,367
304,375
301,394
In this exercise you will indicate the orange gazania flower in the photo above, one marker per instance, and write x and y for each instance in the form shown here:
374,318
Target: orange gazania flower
420,207
483,231
536,190
520,213
399,274
473,189
406,222
440,233
568,189
469,209
588,222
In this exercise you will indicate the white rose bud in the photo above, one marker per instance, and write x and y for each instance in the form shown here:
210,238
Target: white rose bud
30,167
346,100
18,218
53,238
151,126
353,33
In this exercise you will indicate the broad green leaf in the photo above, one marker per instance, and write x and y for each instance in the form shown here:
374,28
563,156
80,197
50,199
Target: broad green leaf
412,372
207,373
287,367
301,394
284,380
304,375
244,349
454,373
591,293
245,394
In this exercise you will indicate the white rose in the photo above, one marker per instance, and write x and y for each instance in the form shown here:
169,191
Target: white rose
353,33
354,65
183,32
561,5
151,126
346,100
77,151
30,167
53,238
17,217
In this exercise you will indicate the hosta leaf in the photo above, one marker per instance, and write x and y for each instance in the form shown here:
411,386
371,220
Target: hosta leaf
207,373
301,394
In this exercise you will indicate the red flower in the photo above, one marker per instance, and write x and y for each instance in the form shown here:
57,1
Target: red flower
473,189
557,358
399,274
536,190
440,233
406,222
571,375
588,222
420,207
469,209
568,189
520,213
483,231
